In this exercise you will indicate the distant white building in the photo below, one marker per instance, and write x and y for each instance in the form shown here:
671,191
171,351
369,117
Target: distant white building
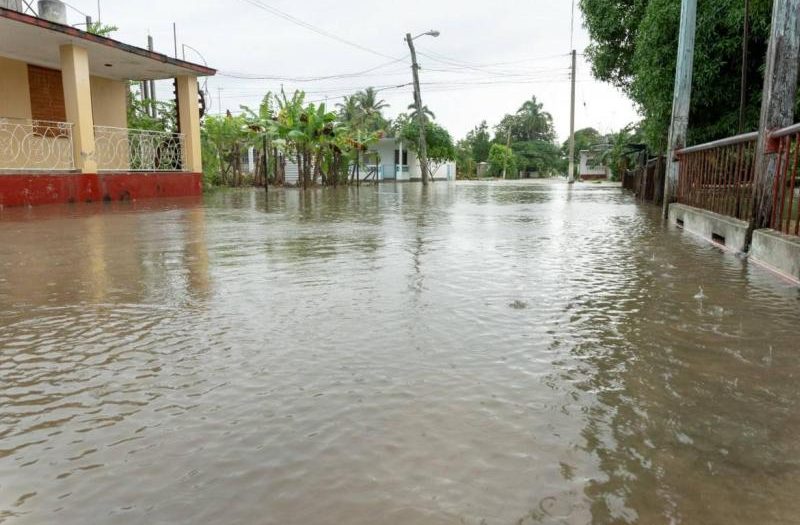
590,166
395,162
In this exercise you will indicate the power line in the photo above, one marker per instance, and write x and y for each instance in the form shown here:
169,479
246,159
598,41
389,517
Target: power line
318,30
253,76
459,65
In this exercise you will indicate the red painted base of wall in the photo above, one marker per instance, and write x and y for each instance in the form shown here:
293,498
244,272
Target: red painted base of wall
34,189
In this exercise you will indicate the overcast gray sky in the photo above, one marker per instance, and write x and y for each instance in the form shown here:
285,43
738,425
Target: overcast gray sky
490,57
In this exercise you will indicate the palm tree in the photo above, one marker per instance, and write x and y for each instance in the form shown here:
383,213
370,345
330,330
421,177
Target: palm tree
368,102
536,124
426,113
350,111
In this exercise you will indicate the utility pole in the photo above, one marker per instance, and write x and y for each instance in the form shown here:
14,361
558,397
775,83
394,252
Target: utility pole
777,106
571,175
745,44
152,83
682,97
175,38
422,147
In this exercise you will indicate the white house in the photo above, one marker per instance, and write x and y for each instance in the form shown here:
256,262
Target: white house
591,168
395,162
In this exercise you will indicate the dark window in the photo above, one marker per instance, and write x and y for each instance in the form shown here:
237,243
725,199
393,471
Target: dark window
397,157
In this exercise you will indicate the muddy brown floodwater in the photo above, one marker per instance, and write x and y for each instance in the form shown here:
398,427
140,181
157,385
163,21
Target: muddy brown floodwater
482,353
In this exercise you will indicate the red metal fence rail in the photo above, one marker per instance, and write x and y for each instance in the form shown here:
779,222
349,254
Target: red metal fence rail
718,176
785,204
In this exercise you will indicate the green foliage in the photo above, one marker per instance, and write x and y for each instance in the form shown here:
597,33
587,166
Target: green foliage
528,135
139,116
465,161
222,137
325,145
472,150
529,123
362,111
502,158
634,46
426,113
618,154
537,156
439,143
100,29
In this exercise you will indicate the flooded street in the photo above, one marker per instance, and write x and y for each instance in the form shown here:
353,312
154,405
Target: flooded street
482,353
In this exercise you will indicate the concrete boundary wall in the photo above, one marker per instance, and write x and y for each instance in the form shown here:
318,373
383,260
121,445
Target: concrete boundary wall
777,252
770,249
719,229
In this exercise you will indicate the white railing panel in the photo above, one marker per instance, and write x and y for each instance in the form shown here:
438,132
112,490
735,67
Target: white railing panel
35,145
122,149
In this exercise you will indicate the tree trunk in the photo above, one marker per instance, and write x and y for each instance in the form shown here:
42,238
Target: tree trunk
280,167
300,180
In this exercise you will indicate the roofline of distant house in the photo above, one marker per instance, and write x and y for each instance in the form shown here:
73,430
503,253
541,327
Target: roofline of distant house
89,37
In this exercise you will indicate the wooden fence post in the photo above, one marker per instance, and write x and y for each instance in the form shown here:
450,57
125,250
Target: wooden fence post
777,106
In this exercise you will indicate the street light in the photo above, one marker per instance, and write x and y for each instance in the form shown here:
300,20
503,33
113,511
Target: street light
433,32
422,149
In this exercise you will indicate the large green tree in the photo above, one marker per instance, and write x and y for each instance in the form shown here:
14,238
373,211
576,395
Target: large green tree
439,142
502,160
634,46
531,136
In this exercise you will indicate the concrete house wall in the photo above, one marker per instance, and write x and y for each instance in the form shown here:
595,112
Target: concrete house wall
15,101
108,100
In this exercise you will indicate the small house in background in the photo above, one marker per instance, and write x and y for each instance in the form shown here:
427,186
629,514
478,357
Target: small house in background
482,170
591,166
64,134
393,162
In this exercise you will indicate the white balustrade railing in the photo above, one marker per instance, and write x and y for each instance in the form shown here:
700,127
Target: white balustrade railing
35,145
122,149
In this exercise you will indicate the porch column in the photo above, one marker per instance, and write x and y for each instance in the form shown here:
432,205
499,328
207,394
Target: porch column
78,105
189,119
398,170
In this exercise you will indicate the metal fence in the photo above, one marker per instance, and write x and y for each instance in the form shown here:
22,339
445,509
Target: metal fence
35,145
785,200
646,181
122,149
718,176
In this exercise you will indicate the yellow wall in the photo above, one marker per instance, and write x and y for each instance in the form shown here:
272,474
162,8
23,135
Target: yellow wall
15,97
109,102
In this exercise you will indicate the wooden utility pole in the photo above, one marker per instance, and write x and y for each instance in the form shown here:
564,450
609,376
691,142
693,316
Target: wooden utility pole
422,147
571,175
682,98
778,99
